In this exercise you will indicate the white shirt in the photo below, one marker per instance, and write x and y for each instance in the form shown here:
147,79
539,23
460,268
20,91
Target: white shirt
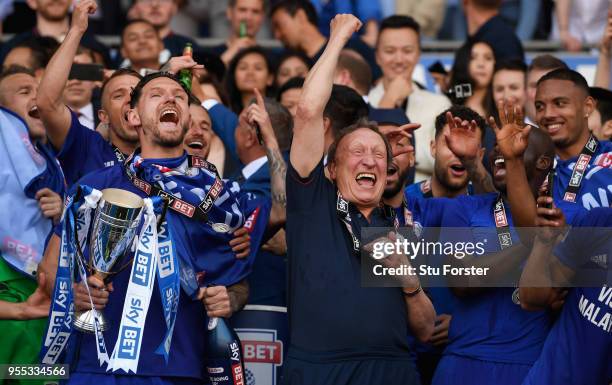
253,166
587,20
86,116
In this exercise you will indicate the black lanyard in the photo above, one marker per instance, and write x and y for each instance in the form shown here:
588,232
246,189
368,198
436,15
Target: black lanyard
118,154
199,212
343,212
582,163
501,223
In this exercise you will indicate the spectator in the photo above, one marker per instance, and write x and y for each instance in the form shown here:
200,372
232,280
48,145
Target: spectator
249,69
428,13
397,53
485,24
250,12
473,65
289,94
368,12
141,46
579,22
600,120
295,24
159,13
78,93
354,72
292,64
33,53
510,83
539,66
52,20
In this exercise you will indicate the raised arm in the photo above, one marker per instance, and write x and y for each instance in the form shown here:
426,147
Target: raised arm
53,112
308,132
278,169
512,140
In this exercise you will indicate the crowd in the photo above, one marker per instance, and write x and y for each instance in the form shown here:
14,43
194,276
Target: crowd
274,164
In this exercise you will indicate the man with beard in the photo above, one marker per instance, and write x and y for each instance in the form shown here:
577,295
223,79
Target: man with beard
450,177
79,149
159,108
503,349
342,332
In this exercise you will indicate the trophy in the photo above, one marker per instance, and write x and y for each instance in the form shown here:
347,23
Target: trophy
115,224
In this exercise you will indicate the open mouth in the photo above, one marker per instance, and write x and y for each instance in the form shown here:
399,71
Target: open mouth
169,115
366,179
499,167
196,145
33,113
457,169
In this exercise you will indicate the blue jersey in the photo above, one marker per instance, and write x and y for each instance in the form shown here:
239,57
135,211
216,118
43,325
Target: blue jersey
596,187
423,189
578,350
196,243
84,151
490,326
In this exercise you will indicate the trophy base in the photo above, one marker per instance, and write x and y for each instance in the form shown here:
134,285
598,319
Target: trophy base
84,321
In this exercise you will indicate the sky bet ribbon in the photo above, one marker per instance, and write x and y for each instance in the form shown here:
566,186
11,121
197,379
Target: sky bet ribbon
169,283
62,307
138,296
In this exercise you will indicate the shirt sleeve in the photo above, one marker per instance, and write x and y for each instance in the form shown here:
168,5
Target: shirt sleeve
305,193
224,124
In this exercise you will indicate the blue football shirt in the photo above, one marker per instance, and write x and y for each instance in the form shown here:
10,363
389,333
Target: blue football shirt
578,350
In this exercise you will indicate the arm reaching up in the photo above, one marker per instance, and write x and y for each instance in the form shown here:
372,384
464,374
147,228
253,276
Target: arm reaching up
53,112
308,132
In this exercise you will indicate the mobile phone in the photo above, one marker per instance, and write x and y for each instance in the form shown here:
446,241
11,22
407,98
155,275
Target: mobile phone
550,180
258,133
91,72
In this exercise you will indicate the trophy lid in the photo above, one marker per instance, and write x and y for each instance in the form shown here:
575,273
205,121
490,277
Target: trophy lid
122,198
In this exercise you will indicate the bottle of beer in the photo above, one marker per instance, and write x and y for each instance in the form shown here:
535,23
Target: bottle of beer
185,74
223,352
243,29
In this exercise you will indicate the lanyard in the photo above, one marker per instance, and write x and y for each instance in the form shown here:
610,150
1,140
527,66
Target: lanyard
501,223
580,168
343,212
199,212
118,154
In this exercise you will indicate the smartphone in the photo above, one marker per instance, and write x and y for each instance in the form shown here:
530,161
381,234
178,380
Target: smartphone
550,180
91,72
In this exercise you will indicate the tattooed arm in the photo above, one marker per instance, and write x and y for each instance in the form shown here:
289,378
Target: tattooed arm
257,114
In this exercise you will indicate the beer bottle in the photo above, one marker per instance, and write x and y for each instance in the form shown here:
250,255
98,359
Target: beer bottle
223,354
243,29
185,74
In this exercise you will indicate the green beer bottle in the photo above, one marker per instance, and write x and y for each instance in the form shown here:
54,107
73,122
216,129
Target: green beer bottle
185,74
243,29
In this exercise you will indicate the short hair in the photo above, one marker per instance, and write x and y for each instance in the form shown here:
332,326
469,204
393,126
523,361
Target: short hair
344,108
464,113
546,62
136,21
360,123
42,49
569,75
292,6
604,102
360,70
137,91
399,22
296,82
15,70
282,123
510,65
487,4
116,74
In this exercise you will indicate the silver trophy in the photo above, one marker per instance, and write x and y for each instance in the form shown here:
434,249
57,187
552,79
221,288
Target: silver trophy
115,224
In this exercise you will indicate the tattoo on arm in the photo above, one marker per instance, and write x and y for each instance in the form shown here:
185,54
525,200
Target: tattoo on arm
278,170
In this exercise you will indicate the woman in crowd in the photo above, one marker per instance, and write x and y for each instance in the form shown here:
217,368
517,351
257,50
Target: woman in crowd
249,69
473,65
291,64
